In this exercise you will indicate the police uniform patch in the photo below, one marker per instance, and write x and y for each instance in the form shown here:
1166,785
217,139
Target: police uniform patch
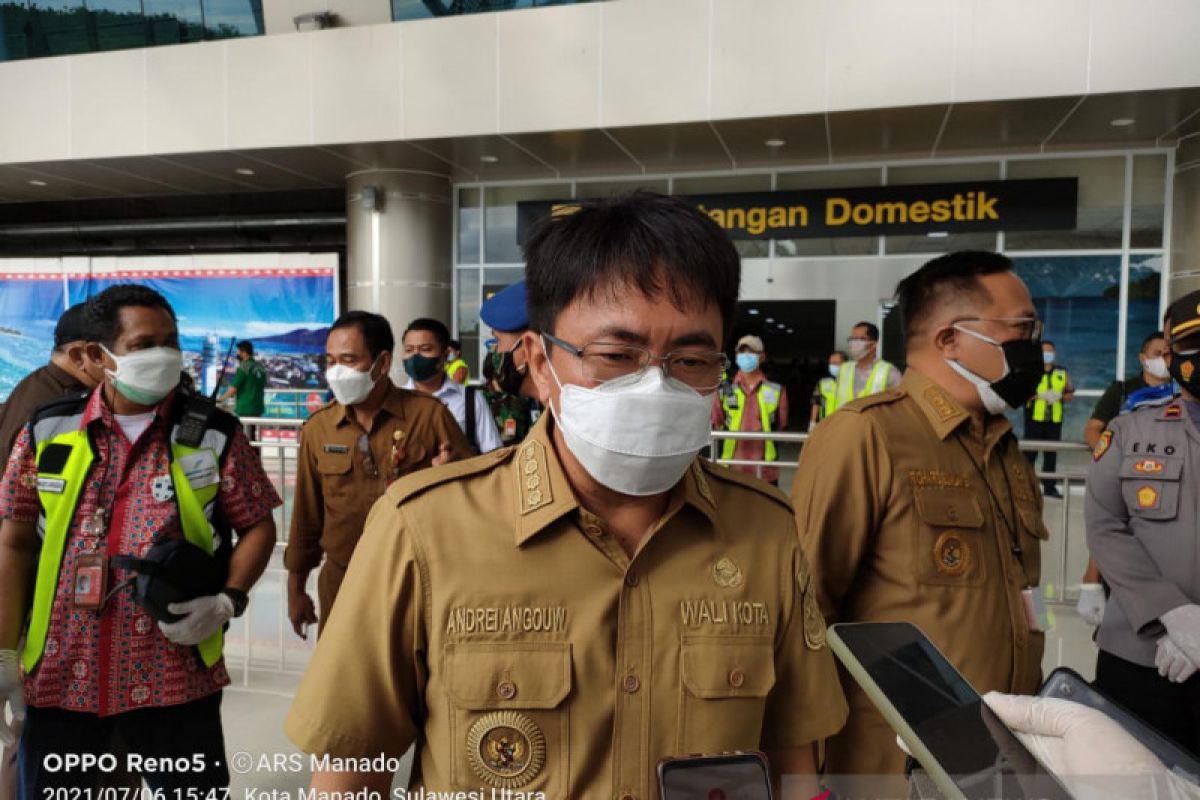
951,554
1186,369
702,484
532,486
506,750
1147,497
162,489
1173,412
727,574
1102,446
933,395
814,622
1149,466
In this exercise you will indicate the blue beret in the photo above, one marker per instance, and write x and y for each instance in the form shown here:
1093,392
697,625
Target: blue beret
505,310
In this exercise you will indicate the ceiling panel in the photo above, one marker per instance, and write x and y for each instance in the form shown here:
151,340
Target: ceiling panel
266,177
468,153
388,155
590,152
1154,114
665,148
317,163
1003,125
804,140
885,132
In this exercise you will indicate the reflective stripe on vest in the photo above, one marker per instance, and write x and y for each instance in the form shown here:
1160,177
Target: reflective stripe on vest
828,389
58,509
1055,380
453,366
768,403
876,382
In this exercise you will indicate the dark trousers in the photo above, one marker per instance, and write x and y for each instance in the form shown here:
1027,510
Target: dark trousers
190,735
1047,431
1172,708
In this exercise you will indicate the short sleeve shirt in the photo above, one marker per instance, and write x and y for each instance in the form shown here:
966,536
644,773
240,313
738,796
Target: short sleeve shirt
1109,404
118,660
491,620
250,380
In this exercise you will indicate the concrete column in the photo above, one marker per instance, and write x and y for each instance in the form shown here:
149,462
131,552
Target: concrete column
1185,219
399,254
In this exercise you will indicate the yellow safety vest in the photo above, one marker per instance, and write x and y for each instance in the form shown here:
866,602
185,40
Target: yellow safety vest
734,403
1055,380
59,495
828,389
877,381
453,366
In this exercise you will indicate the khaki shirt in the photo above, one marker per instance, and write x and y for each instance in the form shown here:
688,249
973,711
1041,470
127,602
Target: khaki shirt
492,621
899,526
336,487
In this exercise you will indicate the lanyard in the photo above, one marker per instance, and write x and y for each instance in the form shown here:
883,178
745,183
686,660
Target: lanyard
1010,522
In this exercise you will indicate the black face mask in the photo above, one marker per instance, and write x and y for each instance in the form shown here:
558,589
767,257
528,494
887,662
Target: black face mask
500,369
1025,371
1188,366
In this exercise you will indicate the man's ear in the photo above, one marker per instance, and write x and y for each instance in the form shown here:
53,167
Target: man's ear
385,363
539,365
946,341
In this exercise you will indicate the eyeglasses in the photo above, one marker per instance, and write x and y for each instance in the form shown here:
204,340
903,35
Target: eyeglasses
1027,327
603,361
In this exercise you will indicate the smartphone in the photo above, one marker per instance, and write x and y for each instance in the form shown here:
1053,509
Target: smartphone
1070,685
729,776
964,747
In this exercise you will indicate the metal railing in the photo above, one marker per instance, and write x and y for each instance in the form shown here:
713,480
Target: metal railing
1057,592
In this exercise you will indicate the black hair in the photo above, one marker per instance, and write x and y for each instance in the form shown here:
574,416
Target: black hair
454,344
872,330
436,327
246,345
102,315
660,245
375,329
1146,342
845,356
71,327
1048,342
942,280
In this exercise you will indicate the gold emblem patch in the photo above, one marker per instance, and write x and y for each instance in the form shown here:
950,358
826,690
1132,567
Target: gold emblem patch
727,574
506,750
1147,497
1186,369
532,485
1102,446
814,622
1149,466
951,554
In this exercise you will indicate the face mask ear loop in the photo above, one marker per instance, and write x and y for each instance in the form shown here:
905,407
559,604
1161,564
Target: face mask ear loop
553,374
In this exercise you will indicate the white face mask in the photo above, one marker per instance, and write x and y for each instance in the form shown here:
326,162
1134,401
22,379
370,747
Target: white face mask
636,435
1158,368
993,402
349,385
857,349
146,376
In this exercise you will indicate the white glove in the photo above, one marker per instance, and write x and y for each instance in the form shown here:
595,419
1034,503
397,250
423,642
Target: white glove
11,694
204,617
1053,397
1089,752
1091,603
1171,662
1183,626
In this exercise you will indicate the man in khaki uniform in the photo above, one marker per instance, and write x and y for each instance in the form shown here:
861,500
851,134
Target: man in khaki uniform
350,450
560,616
916,504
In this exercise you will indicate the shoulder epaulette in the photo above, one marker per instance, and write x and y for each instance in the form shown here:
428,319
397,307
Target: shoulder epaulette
417,482
728,475
871,401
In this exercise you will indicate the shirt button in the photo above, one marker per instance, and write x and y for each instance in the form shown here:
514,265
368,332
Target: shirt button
507,690
632,579
631,684
737,678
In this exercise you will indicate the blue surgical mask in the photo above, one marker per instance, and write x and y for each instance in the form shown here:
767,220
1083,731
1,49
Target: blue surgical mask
835,369
747,362
1047,358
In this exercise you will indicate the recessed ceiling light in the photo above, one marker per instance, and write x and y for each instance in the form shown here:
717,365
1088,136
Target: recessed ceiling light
489,159
775,142
1122,122
938,234
781,326
770,320
36,182
791,330
752,311
244,171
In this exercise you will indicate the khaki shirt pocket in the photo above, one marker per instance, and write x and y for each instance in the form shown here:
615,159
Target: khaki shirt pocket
724,683
509,728
948,546
336,471
1150,486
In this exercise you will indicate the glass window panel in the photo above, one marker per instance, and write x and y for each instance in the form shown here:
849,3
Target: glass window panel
174,21
14,43
500,217
60,27
226,19
942,173
599,189
1149,184
1145,285
828,246
1100,208
119,24
1076,296
470,218
730,184
468,315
